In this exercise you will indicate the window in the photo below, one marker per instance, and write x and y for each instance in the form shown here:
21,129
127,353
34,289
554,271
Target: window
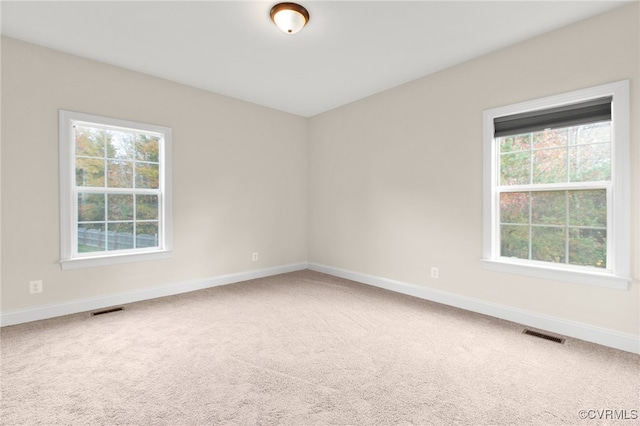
115,190
556,187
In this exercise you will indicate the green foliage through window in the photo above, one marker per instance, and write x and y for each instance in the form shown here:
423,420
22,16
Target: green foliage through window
117,180
565,225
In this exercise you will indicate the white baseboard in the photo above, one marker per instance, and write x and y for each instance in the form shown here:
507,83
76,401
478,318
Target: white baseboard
93,303
613,339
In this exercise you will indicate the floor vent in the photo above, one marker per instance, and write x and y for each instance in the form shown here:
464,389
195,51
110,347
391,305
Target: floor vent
543,336
107,311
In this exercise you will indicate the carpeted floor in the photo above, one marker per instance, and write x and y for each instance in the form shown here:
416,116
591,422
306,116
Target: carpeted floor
305,349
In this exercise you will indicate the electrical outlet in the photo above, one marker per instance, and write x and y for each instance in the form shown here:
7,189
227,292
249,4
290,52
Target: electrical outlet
35,286
254,257
435,273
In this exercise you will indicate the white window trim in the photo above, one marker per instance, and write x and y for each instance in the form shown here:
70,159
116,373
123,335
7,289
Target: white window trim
618,274
68,204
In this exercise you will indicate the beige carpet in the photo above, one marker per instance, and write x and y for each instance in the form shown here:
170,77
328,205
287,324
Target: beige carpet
305,349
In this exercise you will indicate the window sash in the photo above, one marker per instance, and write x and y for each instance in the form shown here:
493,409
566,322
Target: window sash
74,229
498,223
563,142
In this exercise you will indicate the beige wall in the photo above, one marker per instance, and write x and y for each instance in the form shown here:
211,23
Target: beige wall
239,177
388,186
396,179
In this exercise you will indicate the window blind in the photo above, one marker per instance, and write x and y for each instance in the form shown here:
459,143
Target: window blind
591,111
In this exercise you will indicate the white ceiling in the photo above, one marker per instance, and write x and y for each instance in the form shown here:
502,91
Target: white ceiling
349,49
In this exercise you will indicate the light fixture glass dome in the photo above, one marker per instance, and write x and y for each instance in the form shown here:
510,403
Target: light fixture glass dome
289,17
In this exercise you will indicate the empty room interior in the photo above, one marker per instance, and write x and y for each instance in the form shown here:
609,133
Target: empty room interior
421,212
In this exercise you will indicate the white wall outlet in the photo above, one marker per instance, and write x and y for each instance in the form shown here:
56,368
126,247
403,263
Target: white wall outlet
435,273
35,286
254,257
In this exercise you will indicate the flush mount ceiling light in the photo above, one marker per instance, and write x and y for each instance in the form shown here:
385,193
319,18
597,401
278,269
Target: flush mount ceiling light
289,17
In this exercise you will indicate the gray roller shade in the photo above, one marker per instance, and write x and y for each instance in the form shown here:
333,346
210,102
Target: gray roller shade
592,111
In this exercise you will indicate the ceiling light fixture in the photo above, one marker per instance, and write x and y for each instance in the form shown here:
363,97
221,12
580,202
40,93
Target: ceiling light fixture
289,17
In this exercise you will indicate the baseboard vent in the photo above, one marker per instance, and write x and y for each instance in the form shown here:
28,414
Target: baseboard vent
543,336
107,311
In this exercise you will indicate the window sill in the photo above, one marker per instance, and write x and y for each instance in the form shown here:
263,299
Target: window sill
115,259
594,278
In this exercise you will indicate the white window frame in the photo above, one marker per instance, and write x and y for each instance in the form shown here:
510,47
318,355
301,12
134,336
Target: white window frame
617,274
69,259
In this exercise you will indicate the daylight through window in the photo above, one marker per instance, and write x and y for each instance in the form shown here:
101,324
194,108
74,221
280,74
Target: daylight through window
553,187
